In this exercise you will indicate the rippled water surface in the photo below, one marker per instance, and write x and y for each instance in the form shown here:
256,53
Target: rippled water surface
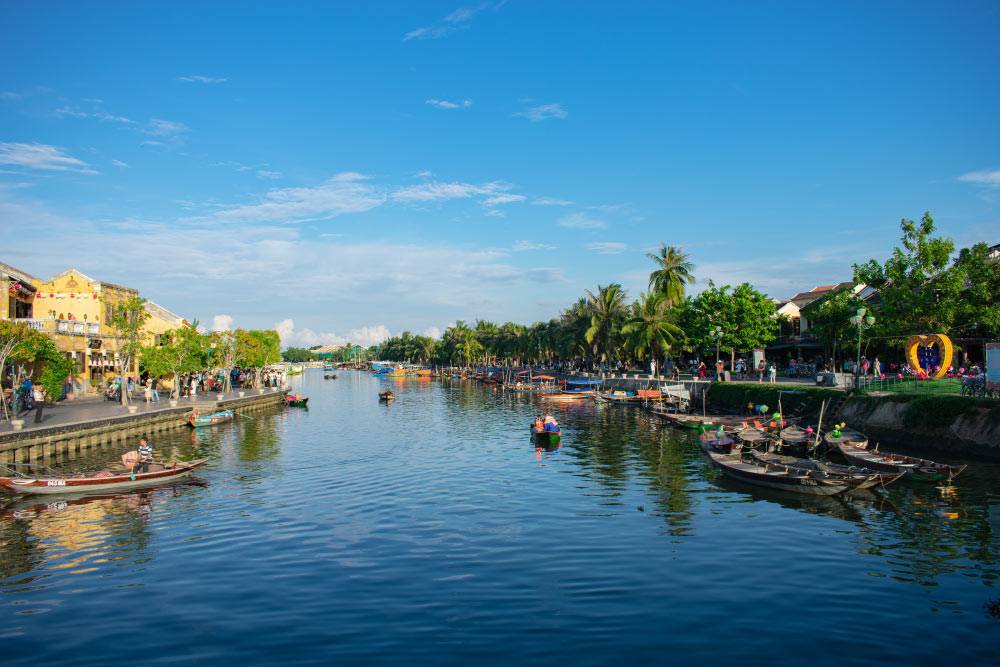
432,531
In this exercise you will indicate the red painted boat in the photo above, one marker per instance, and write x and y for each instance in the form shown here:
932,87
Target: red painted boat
97,482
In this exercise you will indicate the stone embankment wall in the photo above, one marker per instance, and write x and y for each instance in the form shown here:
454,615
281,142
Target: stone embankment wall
950,424
68,441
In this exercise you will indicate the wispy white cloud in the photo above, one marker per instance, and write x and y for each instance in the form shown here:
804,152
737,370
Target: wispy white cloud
97,114
494,213
451,23
339,195
443,191
549,201
197,78
504,198
164,128
424,174
41,156
10,95
989,179
520,246
607,208
543,112
607,248
119,163
433,332
232,165
445,104
581,221
264,173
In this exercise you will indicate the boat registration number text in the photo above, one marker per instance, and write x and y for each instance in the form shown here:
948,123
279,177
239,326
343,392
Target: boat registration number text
56,482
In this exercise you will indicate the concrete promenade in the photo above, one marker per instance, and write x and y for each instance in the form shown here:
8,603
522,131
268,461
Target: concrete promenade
96,408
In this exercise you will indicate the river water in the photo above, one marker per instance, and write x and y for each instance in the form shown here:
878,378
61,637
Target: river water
432,531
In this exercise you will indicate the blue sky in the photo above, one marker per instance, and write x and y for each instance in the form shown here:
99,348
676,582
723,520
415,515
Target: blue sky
348,171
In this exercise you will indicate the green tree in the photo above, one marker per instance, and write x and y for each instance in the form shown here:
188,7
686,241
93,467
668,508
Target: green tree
918,286
978,309
128,317
178,351
297,355
830,319
745,316
12,334
607,313
650,329
673,272
256,350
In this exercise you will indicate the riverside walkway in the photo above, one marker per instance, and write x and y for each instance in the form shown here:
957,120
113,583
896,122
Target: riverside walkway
96,408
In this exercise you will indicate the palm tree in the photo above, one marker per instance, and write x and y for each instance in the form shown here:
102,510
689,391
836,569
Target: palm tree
672,273
607,310
650,328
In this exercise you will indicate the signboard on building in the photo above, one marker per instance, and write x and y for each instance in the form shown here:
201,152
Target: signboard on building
993,365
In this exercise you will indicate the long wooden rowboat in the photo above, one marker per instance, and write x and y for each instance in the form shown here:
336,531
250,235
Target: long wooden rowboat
789,478
210,420
910,466
98,482
297,402
545,438
561,396
877,478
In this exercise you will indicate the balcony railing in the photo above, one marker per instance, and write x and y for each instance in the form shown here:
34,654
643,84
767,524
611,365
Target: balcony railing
36,324
49,325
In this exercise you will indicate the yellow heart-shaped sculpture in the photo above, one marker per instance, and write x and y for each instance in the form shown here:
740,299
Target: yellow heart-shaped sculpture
944,344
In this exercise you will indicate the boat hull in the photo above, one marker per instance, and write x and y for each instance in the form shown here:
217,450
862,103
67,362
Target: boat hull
546,438
115,482
759,475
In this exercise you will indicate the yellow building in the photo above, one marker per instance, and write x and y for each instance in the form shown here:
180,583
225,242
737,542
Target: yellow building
75,310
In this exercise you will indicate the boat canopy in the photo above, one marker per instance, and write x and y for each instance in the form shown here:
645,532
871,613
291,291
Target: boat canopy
584,382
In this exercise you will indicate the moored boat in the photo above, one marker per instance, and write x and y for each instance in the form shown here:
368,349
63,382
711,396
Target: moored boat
912,467
98,482
564,396
197,420
798,479
722,443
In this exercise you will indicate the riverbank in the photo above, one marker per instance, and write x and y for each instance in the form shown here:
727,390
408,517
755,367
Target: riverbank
945,424
72,429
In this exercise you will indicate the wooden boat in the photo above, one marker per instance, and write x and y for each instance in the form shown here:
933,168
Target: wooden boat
795,440
789,478
297,401
118,479
876,477
387,395
545,438
752,438
845,436
910,466
564,396
295,370
196,420
723,444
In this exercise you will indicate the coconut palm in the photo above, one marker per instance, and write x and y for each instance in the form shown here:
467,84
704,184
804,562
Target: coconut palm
607,310
650,329
672,273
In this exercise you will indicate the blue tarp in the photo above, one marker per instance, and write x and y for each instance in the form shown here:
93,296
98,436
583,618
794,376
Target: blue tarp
587,382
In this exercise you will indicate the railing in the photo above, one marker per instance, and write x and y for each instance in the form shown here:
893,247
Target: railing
967,386
36,324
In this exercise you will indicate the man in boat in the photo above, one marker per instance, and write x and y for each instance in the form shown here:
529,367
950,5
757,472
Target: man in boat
539,424
145,456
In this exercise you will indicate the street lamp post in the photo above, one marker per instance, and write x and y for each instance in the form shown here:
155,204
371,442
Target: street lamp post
716,334
861,322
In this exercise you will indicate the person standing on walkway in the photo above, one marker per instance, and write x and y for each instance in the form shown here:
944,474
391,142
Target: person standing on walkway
154,394
877,368
194,388
719,368
772,373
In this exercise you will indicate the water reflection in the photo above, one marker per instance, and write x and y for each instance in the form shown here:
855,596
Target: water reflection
73,532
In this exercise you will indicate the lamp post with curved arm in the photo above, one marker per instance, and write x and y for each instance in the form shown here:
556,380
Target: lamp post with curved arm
716,334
